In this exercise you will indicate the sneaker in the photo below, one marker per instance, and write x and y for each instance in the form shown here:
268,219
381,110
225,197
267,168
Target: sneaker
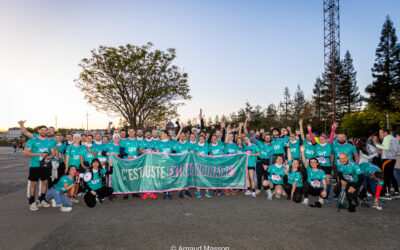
277,196
369,194
335,197
198,194
208,195
248,192
75,200
44,203
258,191
144,196
316,204
305,201
386,197
227,192
233,192
100,201
320,200
170,195
80,194
53,203
396,195
188,194
153,196
328,199
253,194
269,197
65,209
165,196
126,197
377,207
33,207
181,194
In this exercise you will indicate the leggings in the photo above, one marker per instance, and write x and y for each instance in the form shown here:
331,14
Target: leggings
260,172
298,192
388,175
310,190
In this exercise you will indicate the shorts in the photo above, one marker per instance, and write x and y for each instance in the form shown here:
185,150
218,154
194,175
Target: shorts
39,173
251,168
327,169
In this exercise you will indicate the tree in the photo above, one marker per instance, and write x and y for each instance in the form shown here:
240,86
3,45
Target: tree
299,103
286,106
137,83
272,116
348,98
384,71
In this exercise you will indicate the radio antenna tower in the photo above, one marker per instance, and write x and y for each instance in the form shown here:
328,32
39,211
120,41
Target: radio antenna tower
331,47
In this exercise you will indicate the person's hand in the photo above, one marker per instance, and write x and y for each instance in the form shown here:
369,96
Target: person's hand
286,171
344,183
21,123
110,123
379,151
351,190
93,192
309,127
301,122
240,124
334,125
302,148
265,167
130,156
323,193
228,128
271,128
48,157
222,125
257,132
262,131
289,128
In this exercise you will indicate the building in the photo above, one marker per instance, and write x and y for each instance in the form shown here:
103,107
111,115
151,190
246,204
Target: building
13,133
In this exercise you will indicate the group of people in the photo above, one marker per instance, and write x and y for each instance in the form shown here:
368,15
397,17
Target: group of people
282,162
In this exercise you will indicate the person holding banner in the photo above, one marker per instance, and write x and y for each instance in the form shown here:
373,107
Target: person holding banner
202,148
252,152
230,148
165,146
216,148
181,147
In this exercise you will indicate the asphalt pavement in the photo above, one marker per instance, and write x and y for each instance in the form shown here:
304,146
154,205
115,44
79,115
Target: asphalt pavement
237,222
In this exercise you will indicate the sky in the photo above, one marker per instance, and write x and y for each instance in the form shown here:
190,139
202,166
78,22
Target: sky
233,51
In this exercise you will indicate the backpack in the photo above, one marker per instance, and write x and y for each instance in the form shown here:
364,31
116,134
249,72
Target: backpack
342,202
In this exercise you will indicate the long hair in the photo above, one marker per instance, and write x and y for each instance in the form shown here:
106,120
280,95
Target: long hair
318,166
362,146
299,168
99,167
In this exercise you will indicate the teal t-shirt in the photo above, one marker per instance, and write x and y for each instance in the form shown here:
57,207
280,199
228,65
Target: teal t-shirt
216,149
100,148
192,146
230,148
323,154
295,149
165,146
309,149
60,149
266,150
87,156
347,148
276,174
131,147
316,177
38,146
112,148
241,149
182,147
147,145
251,162
74,152
279,146
350,171
201,149
95,183
368,169
295,177
60,184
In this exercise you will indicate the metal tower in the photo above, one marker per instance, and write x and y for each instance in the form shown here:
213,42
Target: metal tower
331,46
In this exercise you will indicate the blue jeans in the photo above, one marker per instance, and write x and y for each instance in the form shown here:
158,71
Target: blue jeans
371,182
60,198
397,174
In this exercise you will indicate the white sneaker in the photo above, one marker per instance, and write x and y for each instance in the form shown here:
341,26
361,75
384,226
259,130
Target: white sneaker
369,195
53,203
33,207
253,194
377,207
248,192
65,209
321,200
269,197
305,201
277,196
80,194
44,203
75,200
258,191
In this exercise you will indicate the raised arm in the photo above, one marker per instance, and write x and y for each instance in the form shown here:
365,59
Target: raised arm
245,125
228,130
24,130
223,131
311,134
180,131
201,122
301,129
240,129
109,127
331,138
303,157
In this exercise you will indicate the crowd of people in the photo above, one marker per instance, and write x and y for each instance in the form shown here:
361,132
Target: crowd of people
282,162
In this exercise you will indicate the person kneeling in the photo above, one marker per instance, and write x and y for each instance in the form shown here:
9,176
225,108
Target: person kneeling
93,178
56,193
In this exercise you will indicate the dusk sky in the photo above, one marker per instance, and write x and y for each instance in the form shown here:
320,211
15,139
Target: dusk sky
233,51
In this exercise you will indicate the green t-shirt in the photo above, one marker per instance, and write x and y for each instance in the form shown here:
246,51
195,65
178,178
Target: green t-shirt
315,177
38,146
74,152
230,148
131,147
266,150
309,149
182,147
87,156
350,171
295,149
347,148
323,154
276,174
147,145
60,184
368,169
101,147
295,177
192,146
201,149
251,162
165,146
112,148
278,145
60,148
217,149
96,183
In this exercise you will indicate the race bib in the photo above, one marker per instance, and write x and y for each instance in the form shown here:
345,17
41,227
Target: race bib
315,183
322,160
348,177
276,177
149,149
